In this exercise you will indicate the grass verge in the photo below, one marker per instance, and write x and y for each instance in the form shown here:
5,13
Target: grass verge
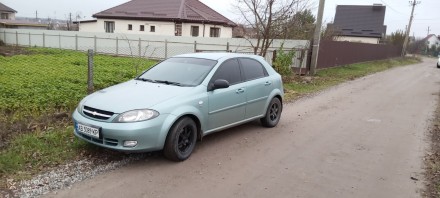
297,86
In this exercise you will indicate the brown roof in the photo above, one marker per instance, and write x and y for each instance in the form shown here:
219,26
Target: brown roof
360,20
5,8
166,10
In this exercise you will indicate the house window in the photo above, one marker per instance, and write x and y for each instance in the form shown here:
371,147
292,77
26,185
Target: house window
214,32
141,28
4,16
130,27
178,29
195,31
152,28
109,26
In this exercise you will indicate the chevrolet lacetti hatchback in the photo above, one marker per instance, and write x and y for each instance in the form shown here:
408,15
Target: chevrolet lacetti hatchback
178,101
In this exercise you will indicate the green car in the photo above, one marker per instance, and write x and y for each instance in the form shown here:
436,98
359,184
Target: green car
178,101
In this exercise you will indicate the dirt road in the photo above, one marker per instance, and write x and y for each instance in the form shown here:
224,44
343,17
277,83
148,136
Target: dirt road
364,138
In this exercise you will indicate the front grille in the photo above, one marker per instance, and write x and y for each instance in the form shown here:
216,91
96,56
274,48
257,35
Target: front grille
97,113
111,142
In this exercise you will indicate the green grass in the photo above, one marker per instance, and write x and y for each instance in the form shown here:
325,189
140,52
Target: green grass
51,80
31,152
298,86
36,86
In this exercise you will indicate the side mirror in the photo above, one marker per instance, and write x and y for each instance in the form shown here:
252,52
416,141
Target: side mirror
218,84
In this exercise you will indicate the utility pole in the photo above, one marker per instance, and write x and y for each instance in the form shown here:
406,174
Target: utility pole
70,22
405,42
429,30
317,38
36,15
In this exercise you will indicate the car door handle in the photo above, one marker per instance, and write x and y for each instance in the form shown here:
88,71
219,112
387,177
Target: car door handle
241,90
267,83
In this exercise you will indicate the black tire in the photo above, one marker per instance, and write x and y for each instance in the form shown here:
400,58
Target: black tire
273,113
181,140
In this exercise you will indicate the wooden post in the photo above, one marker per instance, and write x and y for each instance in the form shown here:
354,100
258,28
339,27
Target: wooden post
166,49
140,47
95,44
117,46
274,56
16,38
44,40
76,42
90,72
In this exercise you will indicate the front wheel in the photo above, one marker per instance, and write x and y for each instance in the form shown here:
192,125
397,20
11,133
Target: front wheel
181,140
273,113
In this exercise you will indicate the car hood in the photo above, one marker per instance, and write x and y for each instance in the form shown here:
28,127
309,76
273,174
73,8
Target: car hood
133,95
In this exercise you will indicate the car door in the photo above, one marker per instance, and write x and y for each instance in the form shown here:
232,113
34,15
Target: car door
227,105
258,87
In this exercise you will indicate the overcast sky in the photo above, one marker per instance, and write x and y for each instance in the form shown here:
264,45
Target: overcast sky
426,14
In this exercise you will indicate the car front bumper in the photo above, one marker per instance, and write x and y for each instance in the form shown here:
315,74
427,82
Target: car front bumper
149,134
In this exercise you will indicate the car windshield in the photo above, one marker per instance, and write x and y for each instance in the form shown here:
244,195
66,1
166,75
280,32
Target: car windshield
179,71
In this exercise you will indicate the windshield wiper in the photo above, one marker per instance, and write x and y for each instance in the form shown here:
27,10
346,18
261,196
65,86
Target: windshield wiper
168,82
146,80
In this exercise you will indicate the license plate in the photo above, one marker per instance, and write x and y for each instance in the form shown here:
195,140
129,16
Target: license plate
92,131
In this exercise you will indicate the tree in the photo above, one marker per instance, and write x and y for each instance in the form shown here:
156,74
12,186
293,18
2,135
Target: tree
267,18
397,38
301,25
417,47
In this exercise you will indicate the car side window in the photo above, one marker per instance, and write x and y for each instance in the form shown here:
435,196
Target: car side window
252,69
230,71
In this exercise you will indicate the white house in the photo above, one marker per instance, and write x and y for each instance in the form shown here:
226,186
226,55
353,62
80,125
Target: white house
6,12
161,17
432,40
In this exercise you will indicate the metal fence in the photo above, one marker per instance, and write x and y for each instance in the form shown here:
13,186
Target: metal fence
335,53
153,47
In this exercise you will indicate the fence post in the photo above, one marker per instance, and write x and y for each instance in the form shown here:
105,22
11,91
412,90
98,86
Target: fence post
140,47
59,41
227,47
195,46
117,46
166,48
95,44
274,56
16,38
90,72
44,40
4,36
30,44
76,42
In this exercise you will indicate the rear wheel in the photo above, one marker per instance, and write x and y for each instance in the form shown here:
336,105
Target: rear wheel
273,113
181,140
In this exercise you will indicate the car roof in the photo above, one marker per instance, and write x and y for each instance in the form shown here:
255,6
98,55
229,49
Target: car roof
217,55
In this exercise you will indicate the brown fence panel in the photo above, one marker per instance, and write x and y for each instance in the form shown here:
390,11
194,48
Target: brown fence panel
335,53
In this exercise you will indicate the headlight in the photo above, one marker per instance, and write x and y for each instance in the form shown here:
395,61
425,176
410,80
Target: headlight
136,115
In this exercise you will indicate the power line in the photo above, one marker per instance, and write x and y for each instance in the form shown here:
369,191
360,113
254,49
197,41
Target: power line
392,8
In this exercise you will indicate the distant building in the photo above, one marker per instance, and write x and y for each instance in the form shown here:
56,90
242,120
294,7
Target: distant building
8,20
6,12
359,23
189,18
432,40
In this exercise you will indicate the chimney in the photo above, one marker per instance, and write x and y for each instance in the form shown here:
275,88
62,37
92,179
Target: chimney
377,7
